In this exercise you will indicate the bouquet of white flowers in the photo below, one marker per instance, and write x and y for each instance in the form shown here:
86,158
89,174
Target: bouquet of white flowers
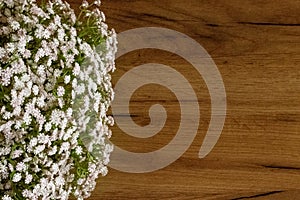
55,90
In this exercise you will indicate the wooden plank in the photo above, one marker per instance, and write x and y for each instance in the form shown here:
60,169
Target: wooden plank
256,46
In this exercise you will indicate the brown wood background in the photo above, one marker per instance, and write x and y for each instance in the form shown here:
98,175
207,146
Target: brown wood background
256,46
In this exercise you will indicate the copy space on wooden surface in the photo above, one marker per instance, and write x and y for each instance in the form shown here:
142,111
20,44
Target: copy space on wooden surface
256,47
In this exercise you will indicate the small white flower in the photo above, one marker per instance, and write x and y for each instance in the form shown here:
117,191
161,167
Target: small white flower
6,197
80,89
60,91
16,154
10,47
27,193
46,34
69,112
54,168
18,83
67,79
78,150
76,69
43,139
28,178
41,101
85,4
2,52
97,3
39,31
41,70
92,167
61,34
39,149
80,181
36,169
35,90
33,142
57,20
21,167
68,134
40,54
52,151
60,102
25,78
27,119
57,73
48,126
5,151
103,171
59,181
64,147
26,54
17,177
15,25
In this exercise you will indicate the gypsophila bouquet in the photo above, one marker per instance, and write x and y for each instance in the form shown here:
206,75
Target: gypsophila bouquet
55,90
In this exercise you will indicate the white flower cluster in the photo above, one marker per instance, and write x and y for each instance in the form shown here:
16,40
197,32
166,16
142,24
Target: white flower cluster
55,90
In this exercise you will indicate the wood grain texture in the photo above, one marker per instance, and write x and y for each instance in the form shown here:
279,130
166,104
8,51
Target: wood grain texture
256,46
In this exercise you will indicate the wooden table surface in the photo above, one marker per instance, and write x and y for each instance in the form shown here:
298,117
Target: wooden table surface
256,46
